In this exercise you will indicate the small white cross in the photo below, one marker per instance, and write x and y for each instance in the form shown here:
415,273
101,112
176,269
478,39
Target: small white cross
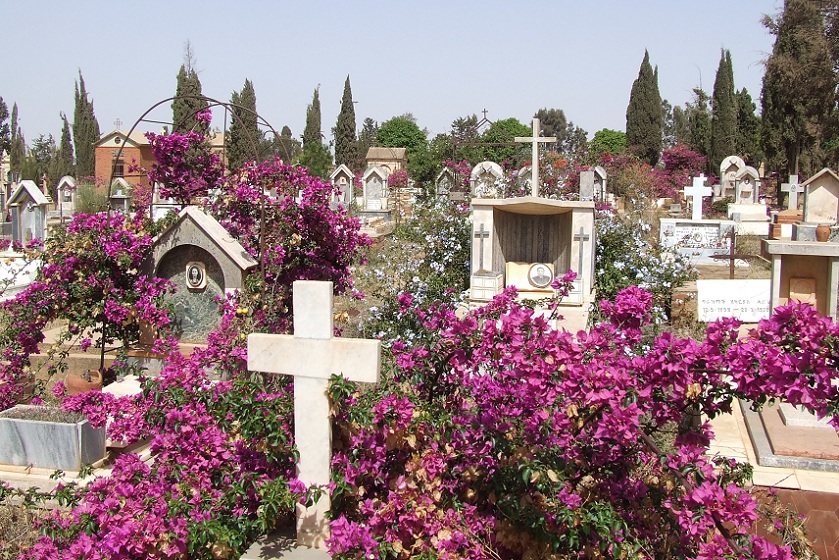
698,191
793,188
312,355
535,140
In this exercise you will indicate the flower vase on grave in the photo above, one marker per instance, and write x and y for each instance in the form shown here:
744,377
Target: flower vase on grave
822,232
78,383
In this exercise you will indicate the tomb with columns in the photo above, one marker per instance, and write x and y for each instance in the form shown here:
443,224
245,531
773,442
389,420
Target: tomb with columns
528,241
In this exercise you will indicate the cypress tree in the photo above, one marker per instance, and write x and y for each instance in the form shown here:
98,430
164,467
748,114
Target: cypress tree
699,123
643,114
189,101
723,113
85,131
243,138
17,151
798,89
312,133
62,164
5,132
747,142
346,143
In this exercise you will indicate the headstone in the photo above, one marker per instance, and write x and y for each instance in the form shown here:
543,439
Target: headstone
534,141
729,168
748,183
587,185
746,300
444,181
600,177
528,231
821,198
205,263
793,188
375,189
342,179
697,192
312,355
120,199
28,207
805,271
699,241
485,180
66,197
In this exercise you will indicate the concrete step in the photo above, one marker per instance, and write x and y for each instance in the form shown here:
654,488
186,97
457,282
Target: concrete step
281,545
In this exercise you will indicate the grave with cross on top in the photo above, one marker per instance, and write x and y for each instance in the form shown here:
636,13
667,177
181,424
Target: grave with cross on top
697,192
312,355
793,188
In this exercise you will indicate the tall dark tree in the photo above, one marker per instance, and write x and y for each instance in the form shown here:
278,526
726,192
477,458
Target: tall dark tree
85,131
315,154
5,131
17,149
643,114
799,89
37,164
243,138
465,135
366,140
699,123
63,163
747,143
723,113
346,142
312,133
189,101
287,146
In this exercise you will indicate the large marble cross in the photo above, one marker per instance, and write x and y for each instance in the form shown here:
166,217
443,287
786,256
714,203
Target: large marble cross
535,140
698,191
312,355
793,188
582,237
481,235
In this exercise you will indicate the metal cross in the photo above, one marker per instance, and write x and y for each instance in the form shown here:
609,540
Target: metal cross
481,235
793,188
118,123
581,237
535,140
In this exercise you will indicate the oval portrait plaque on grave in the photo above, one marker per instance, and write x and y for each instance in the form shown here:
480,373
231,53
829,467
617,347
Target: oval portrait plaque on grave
540,275
196,276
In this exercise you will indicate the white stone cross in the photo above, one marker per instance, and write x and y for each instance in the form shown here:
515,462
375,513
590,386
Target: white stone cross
698,191
312,355
793,188
534,162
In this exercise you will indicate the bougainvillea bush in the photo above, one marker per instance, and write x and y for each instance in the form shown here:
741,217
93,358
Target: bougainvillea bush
499,437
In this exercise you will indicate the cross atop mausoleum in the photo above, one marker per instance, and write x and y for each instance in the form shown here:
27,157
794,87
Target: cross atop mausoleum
535,140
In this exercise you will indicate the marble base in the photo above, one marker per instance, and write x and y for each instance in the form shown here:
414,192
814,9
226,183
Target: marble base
49,445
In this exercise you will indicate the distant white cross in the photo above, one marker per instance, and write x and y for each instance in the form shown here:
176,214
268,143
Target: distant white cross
118,123
698,191
312,355
535,140
793,188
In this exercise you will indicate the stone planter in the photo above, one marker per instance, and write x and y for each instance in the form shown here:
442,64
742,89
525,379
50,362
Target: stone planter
29,436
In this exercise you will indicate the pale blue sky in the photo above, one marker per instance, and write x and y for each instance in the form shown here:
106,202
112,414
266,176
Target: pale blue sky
438,60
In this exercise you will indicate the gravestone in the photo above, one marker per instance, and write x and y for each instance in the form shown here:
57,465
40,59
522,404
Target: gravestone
205,263
485,180
120,199
375,189
342,179
443,183
513,237
729,168
699,241
587,186
534,140
747,210
804,271
748,183
66,202
600,176
821,198
312,355
793,188
697,192
28,208
746,300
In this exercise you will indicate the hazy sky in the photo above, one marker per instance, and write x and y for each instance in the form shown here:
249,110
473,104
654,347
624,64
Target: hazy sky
438,60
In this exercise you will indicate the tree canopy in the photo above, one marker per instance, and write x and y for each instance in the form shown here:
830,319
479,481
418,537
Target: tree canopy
85,131
243,137
723,113
346,142
189,102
